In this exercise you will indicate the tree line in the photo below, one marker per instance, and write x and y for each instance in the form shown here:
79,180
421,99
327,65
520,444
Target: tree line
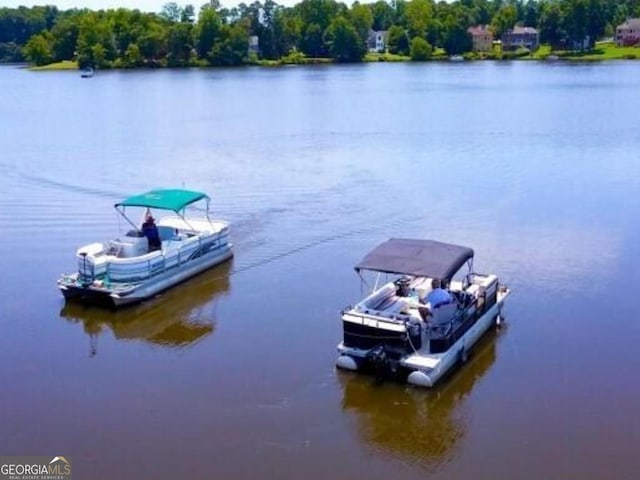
213,35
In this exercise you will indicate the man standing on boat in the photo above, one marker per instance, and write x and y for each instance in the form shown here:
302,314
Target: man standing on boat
150,231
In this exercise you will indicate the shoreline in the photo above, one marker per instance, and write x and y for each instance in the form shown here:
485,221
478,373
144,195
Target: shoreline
602,52
55,67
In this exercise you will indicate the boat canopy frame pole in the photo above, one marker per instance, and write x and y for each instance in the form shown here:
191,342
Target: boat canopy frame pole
469,274
363,283
181,215
121,212
208,201
177,212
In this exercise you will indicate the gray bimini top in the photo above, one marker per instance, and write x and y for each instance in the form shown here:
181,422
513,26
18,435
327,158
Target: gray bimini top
421,258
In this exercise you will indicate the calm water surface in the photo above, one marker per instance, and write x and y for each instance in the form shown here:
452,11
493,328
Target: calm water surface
231,375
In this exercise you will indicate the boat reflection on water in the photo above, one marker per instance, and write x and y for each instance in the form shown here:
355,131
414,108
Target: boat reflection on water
177,318
422,427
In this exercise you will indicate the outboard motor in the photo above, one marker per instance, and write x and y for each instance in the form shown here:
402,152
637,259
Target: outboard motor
377,358
414,336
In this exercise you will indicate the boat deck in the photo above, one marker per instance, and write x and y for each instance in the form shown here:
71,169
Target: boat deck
422,359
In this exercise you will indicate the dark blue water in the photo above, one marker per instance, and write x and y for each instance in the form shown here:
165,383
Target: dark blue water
231,375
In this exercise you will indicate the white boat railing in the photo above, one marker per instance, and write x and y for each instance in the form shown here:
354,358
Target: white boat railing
112,269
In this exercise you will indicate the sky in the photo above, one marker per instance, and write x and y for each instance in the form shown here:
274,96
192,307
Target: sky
144,5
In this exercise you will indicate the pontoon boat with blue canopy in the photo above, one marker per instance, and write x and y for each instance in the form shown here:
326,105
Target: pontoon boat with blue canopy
131,268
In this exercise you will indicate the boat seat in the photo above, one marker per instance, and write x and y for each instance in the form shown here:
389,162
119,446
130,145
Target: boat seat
375,301
392,305
464,298
166,233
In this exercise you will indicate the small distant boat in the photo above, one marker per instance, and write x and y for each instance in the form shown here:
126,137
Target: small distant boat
456,58
87,72
553,58
127,269
391,332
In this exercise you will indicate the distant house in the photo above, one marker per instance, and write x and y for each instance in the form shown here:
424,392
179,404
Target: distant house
254,44
482,38
377,41
527,37
628,33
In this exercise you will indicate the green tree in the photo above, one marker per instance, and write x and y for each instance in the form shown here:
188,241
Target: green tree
531,14
260,19
121,24
551,30
400,7
188,14
319,12
575,14
383,15
620,14
609,30
316,16
418,14
64,38
362,20
596,20
10,52
153,42
133,56
312,42
38,49
94,32
504,20
18,25
232,48
420,49
207,30
99,55
482,11
343,41
456,37
398,40
269,14
287,28
179,44
171,12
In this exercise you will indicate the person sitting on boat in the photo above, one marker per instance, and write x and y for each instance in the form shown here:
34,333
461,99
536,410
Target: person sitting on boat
150,231
436,297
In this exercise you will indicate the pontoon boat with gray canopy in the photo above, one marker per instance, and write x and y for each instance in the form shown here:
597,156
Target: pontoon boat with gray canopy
127,269
393,329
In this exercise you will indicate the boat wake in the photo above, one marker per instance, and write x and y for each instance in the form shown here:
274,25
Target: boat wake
257,260
46,182
325,240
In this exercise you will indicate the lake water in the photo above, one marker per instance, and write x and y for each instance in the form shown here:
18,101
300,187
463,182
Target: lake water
231,375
